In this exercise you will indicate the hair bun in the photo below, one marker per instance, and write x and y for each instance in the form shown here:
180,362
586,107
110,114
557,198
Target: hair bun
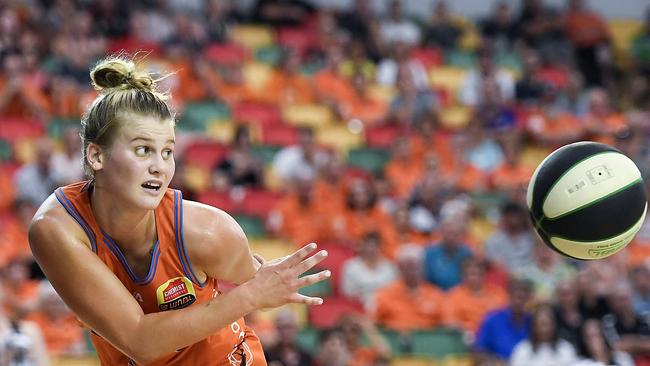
112,73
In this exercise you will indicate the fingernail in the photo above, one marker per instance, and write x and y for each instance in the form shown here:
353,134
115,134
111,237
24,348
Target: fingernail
327,273
323,253
319,301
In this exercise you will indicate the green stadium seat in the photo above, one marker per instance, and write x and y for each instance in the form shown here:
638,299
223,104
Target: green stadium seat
197,116
461,59
399,344
6,152
268,55
368,158
308,339
252,226
57,126
265,153
320,289
438,343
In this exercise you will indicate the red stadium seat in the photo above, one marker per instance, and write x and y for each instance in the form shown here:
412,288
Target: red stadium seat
263,114
226,53
204,154
383,136
299,38
429,57
259,202
221,200
16,129
327,314
279,135
338,253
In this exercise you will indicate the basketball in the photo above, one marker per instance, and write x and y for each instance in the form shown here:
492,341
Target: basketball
587,200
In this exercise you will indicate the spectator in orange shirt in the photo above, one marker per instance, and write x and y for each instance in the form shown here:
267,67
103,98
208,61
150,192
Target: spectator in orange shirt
62,332
330,187
550,127
363,106
428,138
20,98
286,85
20,293
511,174
409,303
360,215
13,231
332,88
588,33
298,217
468,303
225,82
401,232
354,327
403,171
602,122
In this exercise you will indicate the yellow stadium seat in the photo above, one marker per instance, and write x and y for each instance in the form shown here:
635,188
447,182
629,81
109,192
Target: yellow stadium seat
339,138
197,179
412,361
272,180
533,155
455,117
271,248
448,78
252,36
75,361
221,130
456,360
256,74
25,150
313,115
385,93
623,32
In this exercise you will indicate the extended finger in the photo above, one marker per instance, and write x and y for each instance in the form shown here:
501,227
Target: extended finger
308,263
313,278
302,299
299,255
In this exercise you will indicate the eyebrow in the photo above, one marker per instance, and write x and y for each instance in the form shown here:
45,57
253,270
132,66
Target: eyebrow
151,140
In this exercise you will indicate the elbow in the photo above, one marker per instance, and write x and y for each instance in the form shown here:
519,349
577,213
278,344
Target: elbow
142,350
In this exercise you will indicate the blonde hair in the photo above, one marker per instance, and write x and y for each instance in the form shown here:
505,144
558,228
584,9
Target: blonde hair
123,88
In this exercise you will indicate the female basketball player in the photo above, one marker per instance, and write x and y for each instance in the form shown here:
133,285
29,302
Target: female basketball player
123,250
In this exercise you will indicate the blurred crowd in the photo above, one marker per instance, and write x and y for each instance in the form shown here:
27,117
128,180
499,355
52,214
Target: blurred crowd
402,143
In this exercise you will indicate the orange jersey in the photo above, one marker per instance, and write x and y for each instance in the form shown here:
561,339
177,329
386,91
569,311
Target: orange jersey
170,284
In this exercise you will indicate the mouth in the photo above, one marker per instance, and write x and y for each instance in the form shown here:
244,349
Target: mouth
152,186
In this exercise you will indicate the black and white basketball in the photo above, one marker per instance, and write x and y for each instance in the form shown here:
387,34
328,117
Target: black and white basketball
587,200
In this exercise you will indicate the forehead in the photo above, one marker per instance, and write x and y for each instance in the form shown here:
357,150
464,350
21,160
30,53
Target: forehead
148,127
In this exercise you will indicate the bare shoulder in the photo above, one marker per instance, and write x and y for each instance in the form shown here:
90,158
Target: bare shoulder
52,222
208,231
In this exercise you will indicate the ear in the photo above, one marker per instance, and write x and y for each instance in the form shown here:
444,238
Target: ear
95,156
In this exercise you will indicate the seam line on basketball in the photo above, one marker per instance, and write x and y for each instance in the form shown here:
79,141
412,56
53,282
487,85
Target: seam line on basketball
567,172
594,201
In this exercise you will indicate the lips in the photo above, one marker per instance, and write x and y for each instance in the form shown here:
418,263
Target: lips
152,185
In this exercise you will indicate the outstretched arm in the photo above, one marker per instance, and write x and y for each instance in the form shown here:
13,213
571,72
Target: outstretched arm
100,300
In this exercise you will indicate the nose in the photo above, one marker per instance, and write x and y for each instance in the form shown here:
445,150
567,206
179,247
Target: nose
156,165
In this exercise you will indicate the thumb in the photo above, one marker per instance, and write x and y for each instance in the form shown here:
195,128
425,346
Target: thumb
259,258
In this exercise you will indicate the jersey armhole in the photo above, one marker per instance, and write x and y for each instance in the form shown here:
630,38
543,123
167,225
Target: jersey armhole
180,241
72,211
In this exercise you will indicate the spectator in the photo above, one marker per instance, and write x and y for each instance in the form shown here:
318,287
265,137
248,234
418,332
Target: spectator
543,346
601,121
593,295
331,86
13,231
427,197
443,260
21,342
400,232
299,161
240,166
63,335
354,327
402,170
286,352
472,88
641,289
502,329
546,271
574,99
630,330
398,60
567,312
332,349
410,104
594,350
331,186
443,30
511,175
225,82
368,272
511,246
528,88
397,28
20,97
34,181
469,302
541,28
66,164
282,12
500,29
298,216
363,106
360,23
588,33
20,292
288,84
410,302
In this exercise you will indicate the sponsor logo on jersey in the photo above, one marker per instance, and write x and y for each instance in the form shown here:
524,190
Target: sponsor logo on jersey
176,293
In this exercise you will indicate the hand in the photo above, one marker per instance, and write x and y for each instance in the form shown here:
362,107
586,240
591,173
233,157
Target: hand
277,281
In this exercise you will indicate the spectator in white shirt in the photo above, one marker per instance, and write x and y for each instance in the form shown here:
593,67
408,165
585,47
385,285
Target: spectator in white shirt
398,28
544,346
471,92
301,161
66,165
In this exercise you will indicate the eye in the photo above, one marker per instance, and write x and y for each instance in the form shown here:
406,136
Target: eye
167,153
142,151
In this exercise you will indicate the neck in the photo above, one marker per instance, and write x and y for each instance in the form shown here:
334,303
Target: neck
133,230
